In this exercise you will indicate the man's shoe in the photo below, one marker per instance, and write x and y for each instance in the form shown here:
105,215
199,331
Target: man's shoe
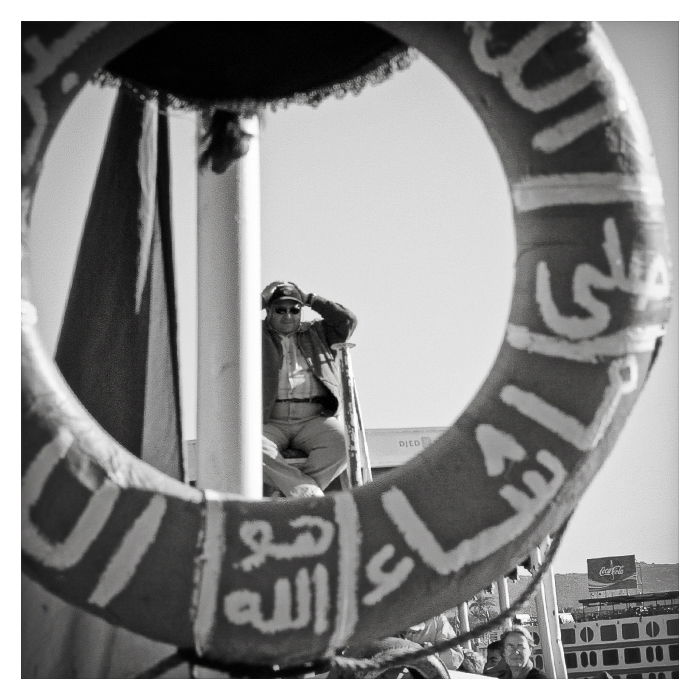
306,491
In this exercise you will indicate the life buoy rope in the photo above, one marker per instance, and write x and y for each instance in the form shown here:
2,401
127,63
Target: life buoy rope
287,582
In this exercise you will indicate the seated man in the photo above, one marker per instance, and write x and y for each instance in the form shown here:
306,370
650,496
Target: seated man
301,389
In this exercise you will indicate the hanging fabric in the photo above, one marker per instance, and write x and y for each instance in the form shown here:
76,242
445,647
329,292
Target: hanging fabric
117,349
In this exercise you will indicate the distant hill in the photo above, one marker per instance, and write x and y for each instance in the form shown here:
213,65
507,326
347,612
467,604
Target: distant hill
571,588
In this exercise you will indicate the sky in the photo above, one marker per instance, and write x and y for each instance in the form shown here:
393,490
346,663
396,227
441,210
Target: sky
394,204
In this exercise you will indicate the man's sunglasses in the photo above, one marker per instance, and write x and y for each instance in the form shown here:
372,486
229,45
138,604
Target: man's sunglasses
281,310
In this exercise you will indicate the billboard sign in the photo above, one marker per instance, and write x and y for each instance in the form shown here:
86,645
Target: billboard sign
392,447
612,573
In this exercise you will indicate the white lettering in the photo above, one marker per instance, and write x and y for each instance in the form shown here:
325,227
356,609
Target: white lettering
419,537
564,189
509,69
245,607
258,535
385,581
47,61
497,446
647,280
585,278
567,130
322,599
123,564
623,375
624,342
62,555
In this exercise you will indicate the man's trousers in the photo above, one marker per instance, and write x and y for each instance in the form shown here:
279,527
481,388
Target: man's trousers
322,438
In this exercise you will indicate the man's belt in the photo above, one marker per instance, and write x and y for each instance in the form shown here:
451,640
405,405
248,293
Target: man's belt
311,399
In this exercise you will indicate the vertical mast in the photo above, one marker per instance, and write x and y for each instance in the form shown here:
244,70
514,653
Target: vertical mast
548,617
229,350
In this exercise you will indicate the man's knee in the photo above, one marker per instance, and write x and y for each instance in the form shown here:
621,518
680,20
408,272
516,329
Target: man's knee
336,440
269,447
333,432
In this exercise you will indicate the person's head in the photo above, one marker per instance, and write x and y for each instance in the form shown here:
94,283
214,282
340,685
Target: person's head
473,662
517,647
494,654
284,309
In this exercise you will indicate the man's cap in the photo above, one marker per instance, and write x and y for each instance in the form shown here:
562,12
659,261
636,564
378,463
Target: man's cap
285,291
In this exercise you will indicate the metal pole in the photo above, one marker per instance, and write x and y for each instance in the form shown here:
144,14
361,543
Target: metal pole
504,599
548,619
543,622
552,606
350,418
229,347
463,615
366,462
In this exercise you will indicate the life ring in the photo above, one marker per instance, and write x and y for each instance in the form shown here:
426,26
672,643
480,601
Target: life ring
286,582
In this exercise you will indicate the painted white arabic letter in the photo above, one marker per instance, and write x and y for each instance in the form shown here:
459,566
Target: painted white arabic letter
65,554
386,581
419,537
623,375
258,536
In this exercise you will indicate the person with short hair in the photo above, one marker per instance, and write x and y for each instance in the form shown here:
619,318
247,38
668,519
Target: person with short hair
302,389
517,652
495,665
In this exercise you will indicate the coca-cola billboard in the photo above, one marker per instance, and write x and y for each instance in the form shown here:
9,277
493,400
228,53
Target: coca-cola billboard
611,573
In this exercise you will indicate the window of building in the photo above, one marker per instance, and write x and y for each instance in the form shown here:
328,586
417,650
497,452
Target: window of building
593,658
630,630
586,634
653,629
539,663
672,627
652,675
568,636
634,675
661,675
633,655
571,660
673,652
584,659
610,657
674,674
659,653
650,654
536,638
608,633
